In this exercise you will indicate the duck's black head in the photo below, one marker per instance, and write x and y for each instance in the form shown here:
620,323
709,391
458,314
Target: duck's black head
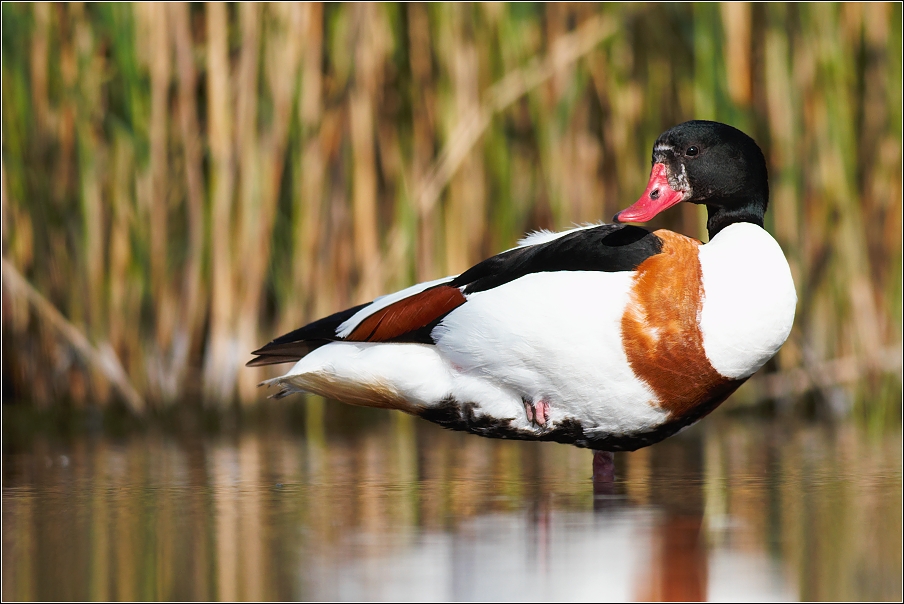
709,163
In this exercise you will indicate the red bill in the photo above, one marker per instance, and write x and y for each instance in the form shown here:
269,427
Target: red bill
658,196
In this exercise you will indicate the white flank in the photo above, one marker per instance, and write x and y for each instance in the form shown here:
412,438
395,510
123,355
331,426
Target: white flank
382,302
555,336
749,299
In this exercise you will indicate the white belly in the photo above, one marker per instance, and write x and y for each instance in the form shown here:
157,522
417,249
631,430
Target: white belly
749,299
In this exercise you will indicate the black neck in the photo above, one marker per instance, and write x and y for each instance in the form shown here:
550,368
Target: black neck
723,212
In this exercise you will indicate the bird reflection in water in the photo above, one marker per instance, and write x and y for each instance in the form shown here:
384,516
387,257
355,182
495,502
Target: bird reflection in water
677,564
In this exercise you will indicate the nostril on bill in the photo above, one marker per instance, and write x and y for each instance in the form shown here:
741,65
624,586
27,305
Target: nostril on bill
654,194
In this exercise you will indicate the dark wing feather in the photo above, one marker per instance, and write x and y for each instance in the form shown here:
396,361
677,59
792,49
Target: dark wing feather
285,352
296,344
608,248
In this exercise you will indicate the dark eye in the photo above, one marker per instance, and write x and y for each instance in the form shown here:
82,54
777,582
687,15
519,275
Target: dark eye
692,151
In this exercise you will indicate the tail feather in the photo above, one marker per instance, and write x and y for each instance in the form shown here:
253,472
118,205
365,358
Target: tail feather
285,387
288,352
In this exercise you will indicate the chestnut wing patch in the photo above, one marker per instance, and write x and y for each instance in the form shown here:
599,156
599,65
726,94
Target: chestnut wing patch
409,320
404,321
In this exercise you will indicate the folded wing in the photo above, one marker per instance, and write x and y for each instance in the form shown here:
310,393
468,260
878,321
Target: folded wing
410,315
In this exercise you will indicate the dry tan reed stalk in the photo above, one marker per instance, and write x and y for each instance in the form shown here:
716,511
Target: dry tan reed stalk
369,52
160,59
423,133
40,54
192,294
737,24
222,353
251,203
307,217
466,206
783,186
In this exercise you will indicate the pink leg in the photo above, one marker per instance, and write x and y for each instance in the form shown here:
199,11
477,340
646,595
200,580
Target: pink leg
603,467
537,412
541,412
529,409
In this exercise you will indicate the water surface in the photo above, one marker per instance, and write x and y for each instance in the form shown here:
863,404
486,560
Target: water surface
363,505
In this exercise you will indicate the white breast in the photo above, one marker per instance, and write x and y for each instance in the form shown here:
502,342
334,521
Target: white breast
749,299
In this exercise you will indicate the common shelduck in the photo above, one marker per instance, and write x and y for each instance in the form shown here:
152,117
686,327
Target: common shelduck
609,336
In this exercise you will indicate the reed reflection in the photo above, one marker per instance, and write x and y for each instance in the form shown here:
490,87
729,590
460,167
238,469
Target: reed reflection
360,507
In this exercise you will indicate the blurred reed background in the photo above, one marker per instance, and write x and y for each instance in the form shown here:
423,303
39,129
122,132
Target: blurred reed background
181,183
